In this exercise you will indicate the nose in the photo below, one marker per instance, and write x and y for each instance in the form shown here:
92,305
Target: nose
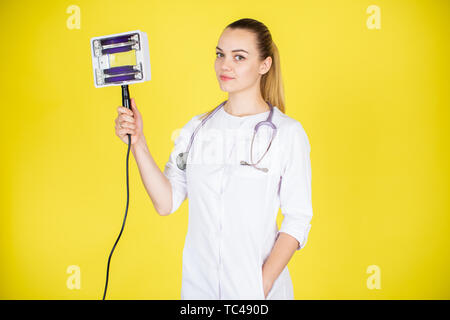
225,67
225,64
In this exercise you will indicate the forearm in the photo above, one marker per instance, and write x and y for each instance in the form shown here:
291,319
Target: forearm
156,183
281,253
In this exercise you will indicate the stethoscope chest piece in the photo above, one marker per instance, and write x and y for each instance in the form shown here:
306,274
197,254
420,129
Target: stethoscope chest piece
182,160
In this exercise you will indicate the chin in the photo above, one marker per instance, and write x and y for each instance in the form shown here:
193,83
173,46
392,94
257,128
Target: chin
224,87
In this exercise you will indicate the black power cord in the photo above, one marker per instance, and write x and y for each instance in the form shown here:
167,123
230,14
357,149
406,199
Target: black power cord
126,103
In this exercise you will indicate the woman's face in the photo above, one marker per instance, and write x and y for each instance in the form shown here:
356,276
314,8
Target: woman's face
237,57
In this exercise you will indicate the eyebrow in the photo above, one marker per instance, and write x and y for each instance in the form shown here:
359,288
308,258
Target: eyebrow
237,50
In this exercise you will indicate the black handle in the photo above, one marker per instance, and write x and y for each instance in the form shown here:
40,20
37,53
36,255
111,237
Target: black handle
126,102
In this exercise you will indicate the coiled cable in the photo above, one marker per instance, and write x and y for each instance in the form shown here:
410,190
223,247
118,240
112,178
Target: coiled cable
125,103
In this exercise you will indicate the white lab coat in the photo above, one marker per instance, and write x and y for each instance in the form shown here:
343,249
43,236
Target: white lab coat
233,208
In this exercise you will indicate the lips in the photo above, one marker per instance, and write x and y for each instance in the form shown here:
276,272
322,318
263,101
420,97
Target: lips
225,78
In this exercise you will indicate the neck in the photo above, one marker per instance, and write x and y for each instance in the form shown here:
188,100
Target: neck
241,105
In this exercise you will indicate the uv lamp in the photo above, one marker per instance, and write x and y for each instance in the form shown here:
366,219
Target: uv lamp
120,59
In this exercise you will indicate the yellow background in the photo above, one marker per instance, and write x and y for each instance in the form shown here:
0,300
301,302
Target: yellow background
374,103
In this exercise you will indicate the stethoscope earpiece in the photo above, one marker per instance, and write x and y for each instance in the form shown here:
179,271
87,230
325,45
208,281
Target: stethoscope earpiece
245,163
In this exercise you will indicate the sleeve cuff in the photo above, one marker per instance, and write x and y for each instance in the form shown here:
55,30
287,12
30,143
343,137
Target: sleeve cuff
301,237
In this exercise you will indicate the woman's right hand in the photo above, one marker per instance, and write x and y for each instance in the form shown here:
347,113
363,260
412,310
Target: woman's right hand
129,121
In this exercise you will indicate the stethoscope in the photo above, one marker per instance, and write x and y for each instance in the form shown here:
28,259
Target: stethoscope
182,157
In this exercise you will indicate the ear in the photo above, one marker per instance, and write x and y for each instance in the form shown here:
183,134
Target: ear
265,65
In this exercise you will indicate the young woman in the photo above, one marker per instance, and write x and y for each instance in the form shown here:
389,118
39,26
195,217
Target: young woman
236,178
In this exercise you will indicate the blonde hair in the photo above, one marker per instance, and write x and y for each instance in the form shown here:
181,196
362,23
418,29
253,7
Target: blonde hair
272,89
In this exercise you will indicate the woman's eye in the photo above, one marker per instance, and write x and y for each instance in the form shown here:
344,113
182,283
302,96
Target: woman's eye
217,53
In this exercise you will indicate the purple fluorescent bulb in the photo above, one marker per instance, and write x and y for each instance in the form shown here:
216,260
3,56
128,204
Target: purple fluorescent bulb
116,50
121,69
119,39
120,78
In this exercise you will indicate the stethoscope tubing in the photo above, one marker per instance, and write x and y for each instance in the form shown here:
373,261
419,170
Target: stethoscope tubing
182,157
